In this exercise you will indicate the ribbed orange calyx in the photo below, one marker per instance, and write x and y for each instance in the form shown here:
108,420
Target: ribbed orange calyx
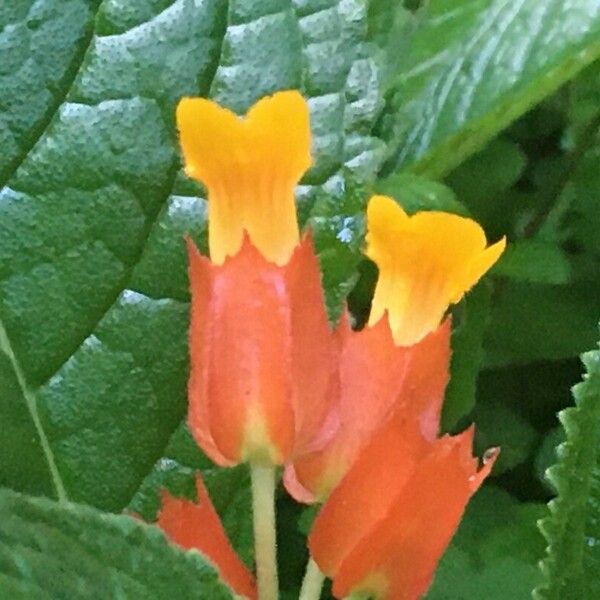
250,166
197,526
426,262
375,377
387,524
261,355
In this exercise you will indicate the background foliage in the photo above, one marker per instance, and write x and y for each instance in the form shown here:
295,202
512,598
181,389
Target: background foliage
488,108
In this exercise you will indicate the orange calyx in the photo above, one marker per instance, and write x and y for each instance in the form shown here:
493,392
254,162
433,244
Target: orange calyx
426,262
250,166
385,527
375,378
197,526
261,356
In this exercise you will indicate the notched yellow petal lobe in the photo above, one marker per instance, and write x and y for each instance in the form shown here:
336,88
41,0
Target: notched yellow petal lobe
426,262
250,166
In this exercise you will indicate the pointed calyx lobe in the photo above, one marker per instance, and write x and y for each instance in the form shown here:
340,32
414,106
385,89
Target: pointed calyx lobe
375,377
261,356
385,526
197,526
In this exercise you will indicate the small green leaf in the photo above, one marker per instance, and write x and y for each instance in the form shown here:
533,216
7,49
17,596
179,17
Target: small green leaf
54,551
536,261
531,322
572,567
415,193
498,425
480,179
470,322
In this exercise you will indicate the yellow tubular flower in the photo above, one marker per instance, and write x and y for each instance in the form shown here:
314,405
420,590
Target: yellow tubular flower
426,262
250,166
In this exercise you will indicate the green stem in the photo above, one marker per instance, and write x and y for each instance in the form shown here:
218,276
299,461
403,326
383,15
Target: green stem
313,582
263,508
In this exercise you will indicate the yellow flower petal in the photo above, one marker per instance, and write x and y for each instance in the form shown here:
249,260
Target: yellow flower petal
250,166
426,262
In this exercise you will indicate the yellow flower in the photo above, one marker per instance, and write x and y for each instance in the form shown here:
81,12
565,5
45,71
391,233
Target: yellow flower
426,262
250,166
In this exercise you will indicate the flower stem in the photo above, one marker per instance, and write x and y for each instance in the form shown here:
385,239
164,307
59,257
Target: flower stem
263,508
313,582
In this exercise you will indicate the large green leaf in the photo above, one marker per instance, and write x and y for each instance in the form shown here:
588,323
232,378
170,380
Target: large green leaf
93,285
473,66
42,45
52,551
572,567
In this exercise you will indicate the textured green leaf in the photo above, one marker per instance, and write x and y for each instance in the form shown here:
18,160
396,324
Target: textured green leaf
473,66
52,551
41,45
338,228
93,285
572,567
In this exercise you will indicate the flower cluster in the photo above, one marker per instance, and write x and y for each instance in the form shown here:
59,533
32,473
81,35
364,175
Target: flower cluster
353,417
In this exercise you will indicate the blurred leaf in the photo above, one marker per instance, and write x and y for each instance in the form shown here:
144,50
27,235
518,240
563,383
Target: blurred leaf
572,567
470,322
93,284
536,391
534,261
500,426
584,222
476,65
584,100
52,551
481,178
390,27
547,456
534,322
415,193
494,552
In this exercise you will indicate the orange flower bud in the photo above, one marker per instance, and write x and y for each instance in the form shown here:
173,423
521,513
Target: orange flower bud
197,526
375,377
261,356
385,527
